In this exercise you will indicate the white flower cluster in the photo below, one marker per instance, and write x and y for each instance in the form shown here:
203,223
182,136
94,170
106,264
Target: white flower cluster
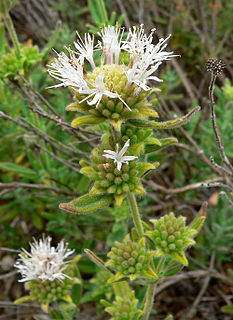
44,262
145,58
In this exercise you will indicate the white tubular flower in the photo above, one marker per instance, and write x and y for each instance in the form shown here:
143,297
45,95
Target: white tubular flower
111,43
118,156
141,75
86,49
98,90
44,261
69,70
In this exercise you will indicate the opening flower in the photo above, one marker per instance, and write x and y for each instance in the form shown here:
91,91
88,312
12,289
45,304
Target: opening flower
118,82
118,156
44,261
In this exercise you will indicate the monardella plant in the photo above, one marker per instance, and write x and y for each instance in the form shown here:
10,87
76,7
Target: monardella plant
110,80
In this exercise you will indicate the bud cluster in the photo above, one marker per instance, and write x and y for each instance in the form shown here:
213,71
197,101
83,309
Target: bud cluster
135,134
124,308
130,259
108,179
172,236
47,291
130,103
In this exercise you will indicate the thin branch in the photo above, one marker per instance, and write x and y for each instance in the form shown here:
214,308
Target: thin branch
192,186
214,125
192,311
15,185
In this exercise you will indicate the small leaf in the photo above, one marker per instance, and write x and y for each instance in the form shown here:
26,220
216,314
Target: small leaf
86,120
149,273
25,172
179,256
174,270
87,203
164,143
144,167
23,299
228,309
171,124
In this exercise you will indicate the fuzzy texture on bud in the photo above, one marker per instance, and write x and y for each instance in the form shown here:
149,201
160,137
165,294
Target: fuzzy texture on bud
172,237
111,178
124,308
130,259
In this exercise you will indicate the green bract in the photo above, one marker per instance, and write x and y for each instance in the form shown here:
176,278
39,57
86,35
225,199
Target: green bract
108,179
112,109
172,237
130,259
124,308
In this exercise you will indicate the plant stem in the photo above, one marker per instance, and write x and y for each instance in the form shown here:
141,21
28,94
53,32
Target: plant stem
135,214
149,301
11,29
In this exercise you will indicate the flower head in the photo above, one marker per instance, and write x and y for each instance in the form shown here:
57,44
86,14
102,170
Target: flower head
118,156
44,262
112,78
215,66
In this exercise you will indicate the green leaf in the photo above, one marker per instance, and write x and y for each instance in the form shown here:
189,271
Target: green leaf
52,41
228,309
179,256
171,124
164,143
2,38
76,293
174,270
55,314
25,172
87,203
98,12
86,120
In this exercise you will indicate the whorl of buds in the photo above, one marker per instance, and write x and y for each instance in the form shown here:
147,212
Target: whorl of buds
47,291
126,105
124,308
108,179
172,237
215,66
135,134
130,259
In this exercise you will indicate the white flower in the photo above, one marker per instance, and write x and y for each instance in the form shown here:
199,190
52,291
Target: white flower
111,43
145,56
86,49
44,261
98,90
118,156
69,70
139,76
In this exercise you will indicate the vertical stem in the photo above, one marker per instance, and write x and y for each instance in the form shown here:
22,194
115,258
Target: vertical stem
149,301
135,214
12,32
214,124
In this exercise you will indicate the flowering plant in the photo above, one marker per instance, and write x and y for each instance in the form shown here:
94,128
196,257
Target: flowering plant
110,85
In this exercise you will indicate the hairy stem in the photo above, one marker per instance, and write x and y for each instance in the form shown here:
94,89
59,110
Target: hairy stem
135,213
214,124
149,301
